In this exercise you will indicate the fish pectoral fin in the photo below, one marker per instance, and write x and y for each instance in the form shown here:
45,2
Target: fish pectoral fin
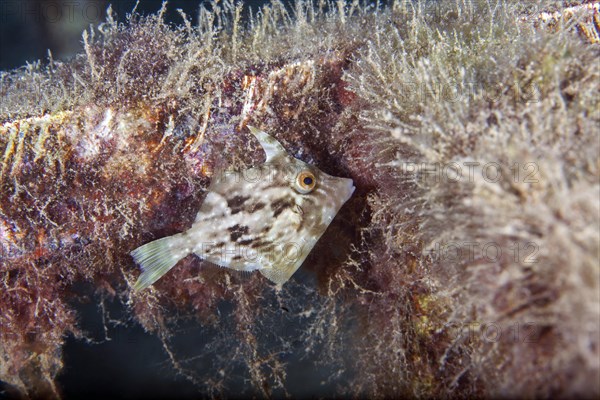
213,206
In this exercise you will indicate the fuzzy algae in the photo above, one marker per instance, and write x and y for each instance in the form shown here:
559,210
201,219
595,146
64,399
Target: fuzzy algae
118,146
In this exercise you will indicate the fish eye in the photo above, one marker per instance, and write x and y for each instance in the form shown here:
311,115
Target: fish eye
306,182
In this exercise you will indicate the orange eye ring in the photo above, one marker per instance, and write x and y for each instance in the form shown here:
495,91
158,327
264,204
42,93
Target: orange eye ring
306,182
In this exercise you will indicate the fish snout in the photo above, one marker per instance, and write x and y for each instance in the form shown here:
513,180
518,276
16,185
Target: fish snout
347,188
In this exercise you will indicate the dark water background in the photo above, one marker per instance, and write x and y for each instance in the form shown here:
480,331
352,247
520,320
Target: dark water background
28,28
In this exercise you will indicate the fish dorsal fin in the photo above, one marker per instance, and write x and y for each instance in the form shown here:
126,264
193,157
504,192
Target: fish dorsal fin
273,149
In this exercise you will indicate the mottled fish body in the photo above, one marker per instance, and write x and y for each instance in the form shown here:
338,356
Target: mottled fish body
266,218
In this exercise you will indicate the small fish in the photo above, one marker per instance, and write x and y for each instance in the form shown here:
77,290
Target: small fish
266,218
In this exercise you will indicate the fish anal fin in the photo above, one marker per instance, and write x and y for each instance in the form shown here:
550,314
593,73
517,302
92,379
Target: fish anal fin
279,275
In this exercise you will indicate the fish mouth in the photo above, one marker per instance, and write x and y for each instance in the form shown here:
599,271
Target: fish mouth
347,189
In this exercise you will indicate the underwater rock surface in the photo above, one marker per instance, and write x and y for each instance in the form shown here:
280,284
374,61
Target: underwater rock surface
465,264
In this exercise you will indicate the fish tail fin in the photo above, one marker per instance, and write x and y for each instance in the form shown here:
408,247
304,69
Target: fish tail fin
156,259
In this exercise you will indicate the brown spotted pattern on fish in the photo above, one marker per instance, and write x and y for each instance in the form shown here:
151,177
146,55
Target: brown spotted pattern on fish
266,218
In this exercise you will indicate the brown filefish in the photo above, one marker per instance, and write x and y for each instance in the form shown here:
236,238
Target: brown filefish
266,218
